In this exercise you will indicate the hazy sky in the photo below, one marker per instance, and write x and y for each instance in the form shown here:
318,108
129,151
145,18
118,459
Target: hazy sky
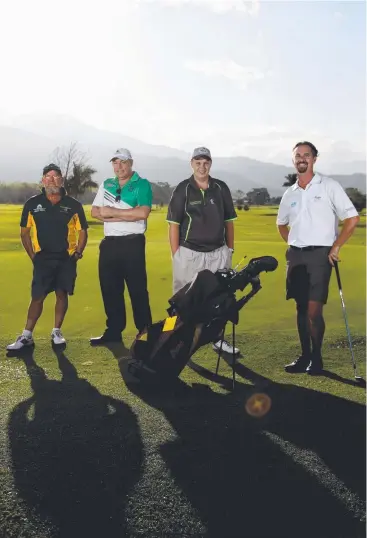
246,78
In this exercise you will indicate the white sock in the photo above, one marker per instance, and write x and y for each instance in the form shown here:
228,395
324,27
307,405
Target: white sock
55,329
27,334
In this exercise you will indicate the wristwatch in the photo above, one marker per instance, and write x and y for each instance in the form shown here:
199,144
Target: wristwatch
79,254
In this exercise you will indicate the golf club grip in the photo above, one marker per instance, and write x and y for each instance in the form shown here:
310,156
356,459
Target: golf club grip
338,275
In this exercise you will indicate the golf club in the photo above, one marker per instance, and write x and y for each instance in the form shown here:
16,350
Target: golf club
357,378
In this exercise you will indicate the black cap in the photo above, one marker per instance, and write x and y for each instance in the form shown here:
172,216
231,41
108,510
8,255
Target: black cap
50,167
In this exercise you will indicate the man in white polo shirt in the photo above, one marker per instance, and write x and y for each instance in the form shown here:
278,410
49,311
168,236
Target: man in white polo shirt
123,203
307,220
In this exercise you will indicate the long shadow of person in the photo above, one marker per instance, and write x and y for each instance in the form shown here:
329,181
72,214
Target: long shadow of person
333,427
298,471
76,454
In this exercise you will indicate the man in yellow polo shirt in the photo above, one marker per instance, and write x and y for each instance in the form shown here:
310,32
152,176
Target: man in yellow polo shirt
54,235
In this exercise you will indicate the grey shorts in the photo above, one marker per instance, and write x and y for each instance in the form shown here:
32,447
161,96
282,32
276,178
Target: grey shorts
187,263
308,274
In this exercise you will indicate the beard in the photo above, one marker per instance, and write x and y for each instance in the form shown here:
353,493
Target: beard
53,190
302,167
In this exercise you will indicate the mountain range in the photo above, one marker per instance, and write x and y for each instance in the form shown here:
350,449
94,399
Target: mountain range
28,143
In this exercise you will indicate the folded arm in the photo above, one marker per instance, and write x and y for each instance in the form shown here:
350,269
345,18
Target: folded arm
112,214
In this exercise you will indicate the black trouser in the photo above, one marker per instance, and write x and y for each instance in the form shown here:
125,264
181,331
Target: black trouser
122,259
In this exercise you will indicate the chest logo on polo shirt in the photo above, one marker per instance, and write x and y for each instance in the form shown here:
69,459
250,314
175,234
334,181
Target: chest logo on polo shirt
293,204
38,209
316,198
64,209
212,201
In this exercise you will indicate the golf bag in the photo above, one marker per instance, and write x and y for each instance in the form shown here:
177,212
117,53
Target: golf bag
197,315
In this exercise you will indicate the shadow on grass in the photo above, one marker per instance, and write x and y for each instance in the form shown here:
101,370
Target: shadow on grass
76,454
340,379
298,471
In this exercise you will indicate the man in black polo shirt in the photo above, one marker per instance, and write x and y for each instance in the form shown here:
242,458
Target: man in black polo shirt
59,235
201,231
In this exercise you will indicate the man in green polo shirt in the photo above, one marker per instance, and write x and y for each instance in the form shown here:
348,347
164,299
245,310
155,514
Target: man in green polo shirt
123,203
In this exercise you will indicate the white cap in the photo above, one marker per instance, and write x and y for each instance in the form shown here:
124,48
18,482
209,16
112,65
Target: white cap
121,153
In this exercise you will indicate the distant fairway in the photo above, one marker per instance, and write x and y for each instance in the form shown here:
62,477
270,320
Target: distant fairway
256,235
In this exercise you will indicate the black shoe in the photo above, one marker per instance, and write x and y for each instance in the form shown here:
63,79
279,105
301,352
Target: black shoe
105,339
316,366
298,366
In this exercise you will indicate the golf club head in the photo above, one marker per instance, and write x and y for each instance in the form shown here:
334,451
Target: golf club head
263,263
252,270
360,381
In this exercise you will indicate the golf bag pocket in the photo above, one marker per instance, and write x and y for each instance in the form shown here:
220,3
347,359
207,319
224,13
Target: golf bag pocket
164,348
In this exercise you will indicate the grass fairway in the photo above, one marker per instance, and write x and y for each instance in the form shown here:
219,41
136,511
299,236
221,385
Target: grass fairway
86,453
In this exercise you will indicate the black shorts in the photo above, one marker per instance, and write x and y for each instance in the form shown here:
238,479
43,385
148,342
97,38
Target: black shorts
308,275
53,272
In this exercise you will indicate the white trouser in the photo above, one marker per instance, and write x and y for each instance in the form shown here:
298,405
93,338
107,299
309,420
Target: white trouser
187,263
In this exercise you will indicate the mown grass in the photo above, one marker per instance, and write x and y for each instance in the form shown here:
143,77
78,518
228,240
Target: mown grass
83,452
256,235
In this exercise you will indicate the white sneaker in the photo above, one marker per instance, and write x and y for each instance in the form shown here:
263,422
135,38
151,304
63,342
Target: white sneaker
226,347
21,342
57,338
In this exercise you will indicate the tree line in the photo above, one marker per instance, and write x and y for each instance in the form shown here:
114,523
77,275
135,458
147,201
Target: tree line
79,186
18,193
79,183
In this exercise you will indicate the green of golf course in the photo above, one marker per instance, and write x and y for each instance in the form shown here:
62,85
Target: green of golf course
84,453
255,235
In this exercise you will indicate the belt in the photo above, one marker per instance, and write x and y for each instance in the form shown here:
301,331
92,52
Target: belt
121,237
312,247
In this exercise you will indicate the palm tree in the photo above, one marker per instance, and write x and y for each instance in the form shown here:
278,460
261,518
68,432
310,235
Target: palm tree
80,180
291,179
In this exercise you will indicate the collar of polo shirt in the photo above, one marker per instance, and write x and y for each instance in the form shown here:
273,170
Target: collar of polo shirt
316,179
193,182
134,177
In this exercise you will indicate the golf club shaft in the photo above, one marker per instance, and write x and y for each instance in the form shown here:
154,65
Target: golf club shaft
239,263
345,317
